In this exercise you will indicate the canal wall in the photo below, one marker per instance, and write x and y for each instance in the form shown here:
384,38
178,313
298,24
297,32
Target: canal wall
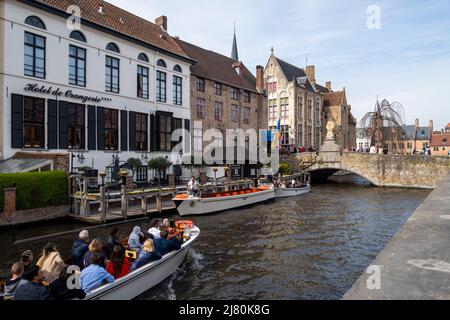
415,265
34,215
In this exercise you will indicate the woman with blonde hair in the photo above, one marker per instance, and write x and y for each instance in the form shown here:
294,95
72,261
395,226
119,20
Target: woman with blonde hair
96,246
50,263
146,255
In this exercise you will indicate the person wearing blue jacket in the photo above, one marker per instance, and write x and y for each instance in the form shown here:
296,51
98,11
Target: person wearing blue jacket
95,275
164,246
79,248
134,241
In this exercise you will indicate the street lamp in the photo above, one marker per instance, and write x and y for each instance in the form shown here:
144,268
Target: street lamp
103,176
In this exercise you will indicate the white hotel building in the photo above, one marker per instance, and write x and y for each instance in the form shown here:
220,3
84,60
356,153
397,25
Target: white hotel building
116,87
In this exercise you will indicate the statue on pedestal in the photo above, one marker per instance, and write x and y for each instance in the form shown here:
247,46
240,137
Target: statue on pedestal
330,130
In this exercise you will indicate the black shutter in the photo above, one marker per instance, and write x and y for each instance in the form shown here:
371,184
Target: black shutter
52,124
124,130
146,130
100,128
187,140
157,131
152,133
92,143
63,125
17,121
132,131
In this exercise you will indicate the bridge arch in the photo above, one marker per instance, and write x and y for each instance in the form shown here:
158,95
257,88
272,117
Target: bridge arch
323,173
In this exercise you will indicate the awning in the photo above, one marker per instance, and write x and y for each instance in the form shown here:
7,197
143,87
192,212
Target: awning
23,165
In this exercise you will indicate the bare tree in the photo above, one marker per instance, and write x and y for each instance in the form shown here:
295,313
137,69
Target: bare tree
385,125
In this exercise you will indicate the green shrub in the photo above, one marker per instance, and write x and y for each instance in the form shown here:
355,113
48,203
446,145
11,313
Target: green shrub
285,169
36,189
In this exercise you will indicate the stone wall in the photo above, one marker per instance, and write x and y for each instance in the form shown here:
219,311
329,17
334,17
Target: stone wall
34,215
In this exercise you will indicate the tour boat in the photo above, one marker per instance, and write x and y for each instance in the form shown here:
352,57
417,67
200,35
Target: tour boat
145,278
291,192
221,201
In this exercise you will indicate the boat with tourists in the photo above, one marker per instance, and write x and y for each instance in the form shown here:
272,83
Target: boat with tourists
292,186
214,202
143,279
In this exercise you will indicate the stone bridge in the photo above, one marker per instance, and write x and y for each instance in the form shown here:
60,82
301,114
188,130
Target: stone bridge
409,171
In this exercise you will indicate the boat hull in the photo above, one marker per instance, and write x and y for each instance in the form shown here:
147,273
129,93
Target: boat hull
291,192
200,206
145,278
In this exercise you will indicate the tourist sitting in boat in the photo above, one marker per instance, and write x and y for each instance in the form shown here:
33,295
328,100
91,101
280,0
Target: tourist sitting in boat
112,242
50,263
96,246
154,230
134,241
95,275
27,258
33,289
60,291
79,248
164,245
119,265
146,255
11,285
193,187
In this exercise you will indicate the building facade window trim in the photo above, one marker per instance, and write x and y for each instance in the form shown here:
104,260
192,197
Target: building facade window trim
161,63
111,129
36,22
177,68
77,66
78,36
112,74
177,90
33,123
77,126
201,83
143,57
161,86
113,47
201,104
142,82
218,89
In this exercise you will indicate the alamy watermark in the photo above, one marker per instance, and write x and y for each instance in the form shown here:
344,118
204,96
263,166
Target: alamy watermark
374,279
374,19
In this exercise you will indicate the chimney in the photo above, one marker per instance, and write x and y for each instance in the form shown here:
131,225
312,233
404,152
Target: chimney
162,22
431,126
417,124
311,74
328,85
260,78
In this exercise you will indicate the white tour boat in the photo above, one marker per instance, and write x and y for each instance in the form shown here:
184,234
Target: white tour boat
143,279
221,201
291,192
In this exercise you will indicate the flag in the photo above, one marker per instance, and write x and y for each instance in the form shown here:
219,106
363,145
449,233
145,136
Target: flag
277,141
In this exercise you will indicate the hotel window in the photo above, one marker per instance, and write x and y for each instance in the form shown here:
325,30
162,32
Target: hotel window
161,63
200,84
141,132
35,22
76,124
234,113
143,57
113,47
177,68
165,132
77,35
285,135
34,122
273,109
34,55
234,93
177,90
112,72
247,115
247,97
142,82
200,108
77,66
218,111
284,104
218,88
111,129
177,124
161,89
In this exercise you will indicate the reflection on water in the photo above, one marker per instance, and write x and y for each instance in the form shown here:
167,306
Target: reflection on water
311,247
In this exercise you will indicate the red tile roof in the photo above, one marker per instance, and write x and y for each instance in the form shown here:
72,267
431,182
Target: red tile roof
118,20
217,67
440,140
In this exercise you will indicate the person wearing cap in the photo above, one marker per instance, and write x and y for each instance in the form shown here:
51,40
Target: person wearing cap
79,248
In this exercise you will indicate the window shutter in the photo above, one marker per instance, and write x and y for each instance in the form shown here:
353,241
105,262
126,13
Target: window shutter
63,125
52,124
100,128
146,130
92,143
132,131
124,130
153,133
17,121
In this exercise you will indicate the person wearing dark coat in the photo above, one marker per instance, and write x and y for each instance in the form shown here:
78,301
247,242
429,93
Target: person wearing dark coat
33,290
164,246
79,248
112,242
146,255
60,291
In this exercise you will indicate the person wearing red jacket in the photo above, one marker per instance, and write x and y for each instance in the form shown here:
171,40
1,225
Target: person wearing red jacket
119,266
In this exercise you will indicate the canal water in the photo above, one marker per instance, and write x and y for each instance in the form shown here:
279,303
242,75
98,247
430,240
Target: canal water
311,247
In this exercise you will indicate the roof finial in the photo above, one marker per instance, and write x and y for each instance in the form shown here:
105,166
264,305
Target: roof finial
234,50
271,49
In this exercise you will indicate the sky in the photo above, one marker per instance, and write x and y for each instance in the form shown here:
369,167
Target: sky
398,50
